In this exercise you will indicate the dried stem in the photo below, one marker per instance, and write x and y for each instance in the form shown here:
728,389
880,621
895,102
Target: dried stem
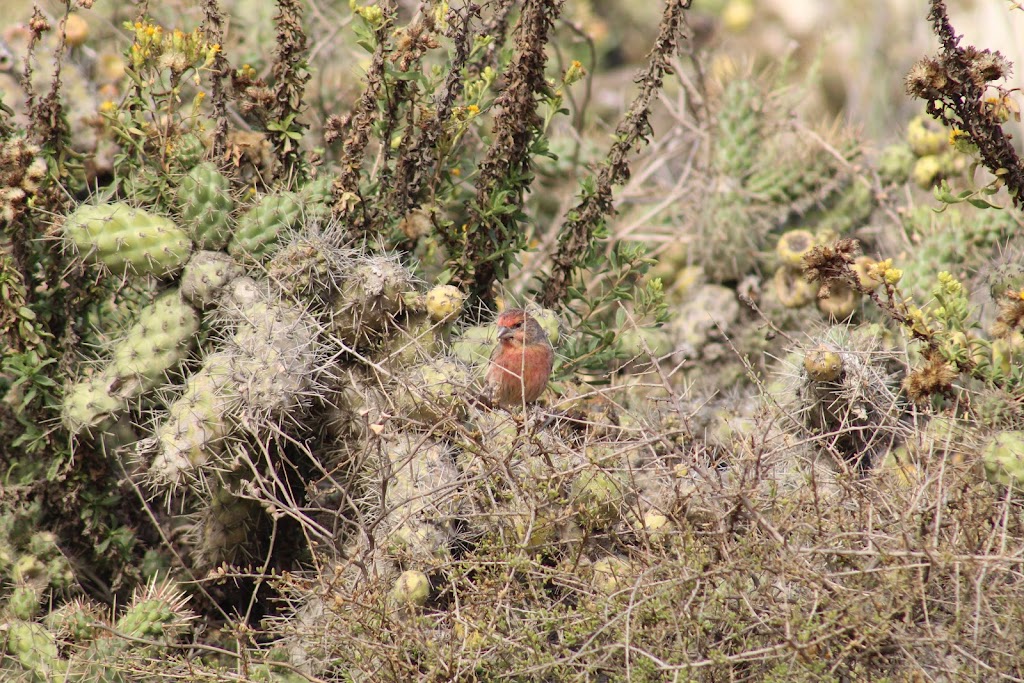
413,166
290,77
585,218
494,232
357,127
213,25
954,84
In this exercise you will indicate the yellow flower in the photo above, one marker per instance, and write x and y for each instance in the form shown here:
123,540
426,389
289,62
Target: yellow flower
893,275
574,73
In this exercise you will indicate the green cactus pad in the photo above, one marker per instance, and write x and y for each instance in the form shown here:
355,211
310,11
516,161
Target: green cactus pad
23,602
156,613
597,497
1004,459
422,499
128,240
740,123
370,300
89,403
896,163
78,621
412,588
260,228
188,150
206,204
476,344
273,361
1004,278
34,647
228,529
159,340
317,199
434,390
205,275
196,423
823,364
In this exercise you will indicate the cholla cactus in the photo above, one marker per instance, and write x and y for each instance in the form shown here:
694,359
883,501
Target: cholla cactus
103,650
422,500
848,394
763,178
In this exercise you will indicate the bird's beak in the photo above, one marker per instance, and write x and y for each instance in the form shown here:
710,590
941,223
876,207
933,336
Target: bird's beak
504,333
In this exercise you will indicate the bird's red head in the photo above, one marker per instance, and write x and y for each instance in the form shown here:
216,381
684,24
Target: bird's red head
515,326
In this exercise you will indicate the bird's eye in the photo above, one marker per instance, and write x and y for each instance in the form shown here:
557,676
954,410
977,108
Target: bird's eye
517,325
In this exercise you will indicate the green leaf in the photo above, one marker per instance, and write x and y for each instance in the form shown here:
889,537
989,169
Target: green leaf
982,204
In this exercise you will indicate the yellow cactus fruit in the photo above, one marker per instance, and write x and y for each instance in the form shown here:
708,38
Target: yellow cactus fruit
926,137
444,303
793,290
841,302
738,15
548,321
76,30
866,274
110,67
597,496
899,468
1004,459
611,574
411,589
416,224
926,171
656,526
792,246
822,364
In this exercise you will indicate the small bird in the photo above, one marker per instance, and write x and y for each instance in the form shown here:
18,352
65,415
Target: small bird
521,362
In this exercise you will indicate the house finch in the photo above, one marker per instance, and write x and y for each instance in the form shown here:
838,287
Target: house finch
521,362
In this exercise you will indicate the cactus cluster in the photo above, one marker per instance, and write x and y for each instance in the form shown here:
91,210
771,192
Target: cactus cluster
263,225
77,642
840,300
956,241
269,408
766,179
444,493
